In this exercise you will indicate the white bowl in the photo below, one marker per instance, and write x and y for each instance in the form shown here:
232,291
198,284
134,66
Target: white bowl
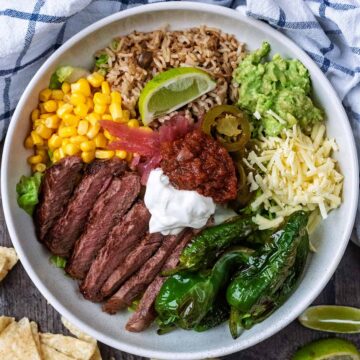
62,292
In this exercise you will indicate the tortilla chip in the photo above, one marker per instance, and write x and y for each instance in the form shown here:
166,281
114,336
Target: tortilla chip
97,354
17,342
8,259
5,321
51,354
69,346
35,334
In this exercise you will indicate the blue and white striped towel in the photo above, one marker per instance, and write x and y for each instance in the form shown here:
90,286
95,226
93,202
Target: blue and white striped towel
328,30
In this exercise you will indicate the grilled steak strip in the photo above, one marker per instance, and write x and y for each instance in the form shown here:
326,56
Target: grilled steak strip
145,313
121,240
109,208
134,261
56,188
138,282
62,236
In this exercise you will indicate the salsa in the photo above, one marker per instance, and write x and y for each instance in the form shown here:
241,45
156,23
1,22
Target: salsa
198,162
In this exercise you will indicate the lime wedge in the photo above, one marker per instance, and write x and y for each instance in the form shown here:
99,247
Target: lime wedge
328,349
332,318
172,89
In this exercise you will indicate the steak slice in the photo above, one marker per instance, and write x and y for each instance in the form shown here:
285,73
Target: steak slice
109,208
121,240
56,188
62,236
145,313
134,261
138,282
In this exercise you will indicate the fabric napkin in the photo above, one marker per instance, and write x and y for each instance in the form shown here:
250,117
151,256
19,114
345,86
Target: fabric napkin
329,32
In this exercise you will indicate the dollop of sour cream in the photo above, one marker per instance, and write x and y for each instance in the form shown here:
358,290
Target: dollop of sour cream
172,210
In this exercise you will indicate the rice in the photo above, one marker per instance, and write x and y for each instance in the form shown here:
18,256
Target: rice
210,49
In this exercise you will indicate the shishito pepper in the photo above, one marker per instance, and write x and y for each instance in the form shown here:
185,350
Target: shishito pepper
265,284
229,125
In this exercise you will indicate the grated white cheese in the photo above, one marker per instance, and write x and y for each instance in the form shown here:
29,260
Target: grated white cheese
295,171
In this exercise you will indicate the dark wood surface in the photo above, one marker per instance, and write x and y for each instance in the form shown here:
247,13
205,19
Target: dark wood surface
19,297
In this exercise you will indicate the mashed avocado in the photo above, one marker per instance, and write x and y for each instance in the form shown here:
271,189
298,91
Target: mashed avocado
277,90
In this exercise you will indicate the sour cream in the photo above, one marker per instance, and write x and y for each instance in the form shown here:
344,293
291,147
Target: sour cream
172,210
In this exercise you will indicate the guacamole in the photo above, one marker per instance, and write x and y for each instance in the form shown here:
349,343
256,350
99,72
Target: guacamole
277,91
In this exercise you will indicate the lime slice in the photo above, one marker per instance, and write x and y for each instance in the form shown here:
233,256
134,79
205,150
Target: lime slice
328,349
332,318
171,90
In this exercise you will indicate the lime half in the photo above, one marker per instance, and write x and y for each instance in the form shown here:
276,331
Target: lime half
332,318
328,349
172,89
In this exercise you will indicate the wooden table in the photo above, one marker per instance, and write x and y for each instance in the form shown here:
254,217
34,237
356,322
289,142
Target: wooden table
19,297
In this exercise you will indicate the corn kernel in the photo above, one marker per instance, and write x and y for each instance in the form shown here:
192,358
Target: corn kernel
71,149
29,143
88,156
108,135
146,128
82,86
133,123
45,95
95,79
64,109
57,94
129,157
67,131
65,87
121,154
93,118
52,122
56,156
67,97
90,103
39,167
93,131
104,154
71,120
105,88
50,106
115,110
106,117
65,142
42,109
101,99
35,114
60,103
83,127
61,153
37,123
115,97
54,142
43,131
81,110
100,141
88,146
45,116
42,152
35,159
125,116
78,139
100,109
77,98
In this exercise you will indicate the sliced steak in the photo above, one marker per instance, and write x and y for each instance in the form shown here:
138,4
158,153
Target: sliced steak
145,313
138,282
56,188
133,262
62,236
121,240
108,210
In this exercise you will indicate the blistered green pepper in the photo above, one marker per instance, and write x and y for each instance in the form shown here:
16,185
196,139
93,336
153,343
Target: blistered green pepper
264,285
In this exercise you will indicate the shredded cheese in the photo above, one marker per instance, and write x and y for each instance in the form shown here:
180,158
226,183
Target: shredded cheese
295,171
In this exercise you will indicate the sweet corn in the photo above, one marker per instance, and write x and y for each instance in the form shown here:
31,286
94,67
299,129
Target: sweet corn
88,156
67,97
37,123
93,131
108,135
101,99
115,111
125,116
105,88
52,122
133,123
83,127
100,109
42,109
35,114
82,86
90,103
146,128
95,79
65,87
65,142
78,139
58,94
39,167
43,131
87,146
71,120
81,110
77,98
100,141
36,138
54,142
93,118
64,109
106,117
115,97
42,153
129,157
45,95
104,154
60,103
61,153
50,106
121,154
29,143
34,159
46,115
67,131
71,149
